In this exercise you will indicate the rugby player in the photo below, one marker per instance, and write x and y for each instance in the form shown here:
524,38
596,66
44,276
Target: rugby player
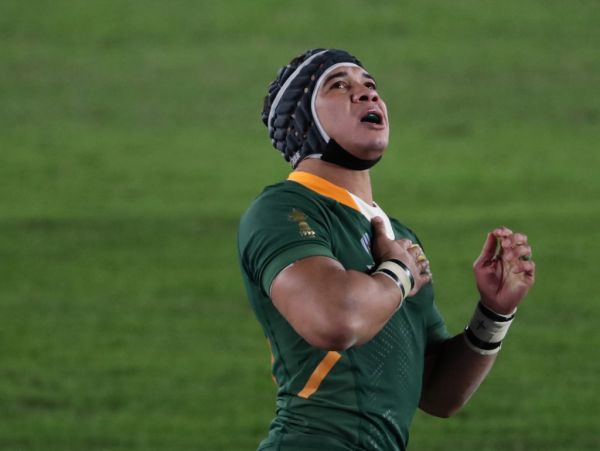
344,292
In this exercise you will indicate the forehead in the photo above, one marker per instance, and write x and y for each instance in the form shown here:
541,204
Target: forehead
345,70
337,72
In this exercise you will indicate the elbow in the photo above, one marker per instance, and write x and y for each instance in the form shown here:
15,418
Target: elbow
442,408
441,412
338,332
338,326
335,336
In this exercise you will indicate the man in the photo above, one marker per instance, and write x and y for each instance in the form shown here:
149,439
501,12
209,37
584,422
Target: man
342,291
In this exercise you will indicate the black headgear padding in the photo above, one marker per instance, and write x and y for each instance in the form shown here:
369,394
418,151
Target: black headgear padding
287,111
334,153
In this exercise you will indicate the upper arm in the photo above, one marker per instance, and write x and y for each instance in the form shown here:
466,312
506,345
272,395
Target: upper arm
278,230
285,250
310,295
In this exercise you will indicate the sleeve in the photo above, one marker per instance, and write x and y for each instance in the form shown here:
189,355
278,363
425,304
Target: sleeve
276,231
436,327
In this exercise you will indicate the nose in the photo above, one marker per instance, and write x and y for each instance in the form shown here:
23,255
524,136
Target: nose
364,94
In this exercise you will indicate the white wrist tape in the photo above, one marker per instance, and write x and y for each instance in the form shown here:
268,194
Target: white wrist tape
487,329
399,273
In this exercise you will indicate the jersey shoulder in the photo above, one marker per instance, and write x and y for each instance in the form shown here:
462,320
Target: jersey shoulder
285,222
281,196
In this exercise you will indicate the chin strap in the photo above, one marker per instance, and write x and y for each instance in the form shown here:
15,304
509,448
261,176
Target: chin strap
336,154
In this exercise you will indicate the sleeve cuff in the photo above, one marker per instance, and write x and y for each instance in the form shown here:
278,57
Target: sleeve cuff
287,257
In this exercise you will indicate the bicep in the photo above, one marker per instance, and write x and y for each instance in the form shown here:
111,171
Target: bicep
330,307
307,294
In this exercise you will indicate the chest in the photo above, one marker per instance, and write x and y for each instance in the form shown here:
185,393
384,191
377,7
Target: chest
351,236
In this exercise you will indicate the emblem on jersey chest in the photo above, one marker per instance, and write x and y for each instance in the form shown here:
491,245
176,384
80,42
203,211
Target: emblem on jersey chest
366,244
300,218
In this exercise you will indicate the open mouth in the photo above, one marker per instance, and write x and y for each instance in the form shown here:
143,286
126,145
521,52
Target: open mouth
372,117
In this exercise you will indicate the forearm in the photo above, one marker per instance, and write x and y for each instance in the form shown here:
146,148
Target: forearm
339,310
334,308
375,297
457,367
345,309
370,301
454,375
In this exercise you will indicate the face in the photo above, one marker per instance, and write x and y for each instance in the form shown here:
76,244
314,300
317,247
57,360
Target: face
352,113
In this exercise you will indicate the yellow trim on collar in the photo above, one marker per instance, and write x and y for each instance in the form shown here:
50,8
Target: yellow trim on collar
324,187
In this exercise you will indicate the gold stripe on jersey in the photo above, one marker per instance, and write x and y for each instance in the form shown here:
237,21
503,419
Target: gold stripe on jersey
272,362
320,372
324,187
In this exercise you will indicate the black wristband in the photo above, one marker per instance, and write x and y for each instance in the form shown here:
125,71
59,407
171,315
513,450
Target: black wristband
493,315
480,344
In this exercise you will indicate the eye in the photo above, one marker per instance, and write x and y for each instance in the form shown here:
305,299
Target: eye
339,85
371,85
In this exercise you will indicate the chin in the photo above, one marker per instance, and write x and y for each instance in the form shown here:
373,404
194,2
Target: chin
368,149
368,153
373,147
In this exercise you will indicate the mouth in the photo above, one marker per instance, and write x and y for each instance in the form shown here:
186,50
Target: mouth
372,117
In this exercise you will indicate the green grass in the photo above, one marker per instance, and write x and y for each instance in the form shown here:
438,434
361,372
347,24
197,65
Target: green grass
130,144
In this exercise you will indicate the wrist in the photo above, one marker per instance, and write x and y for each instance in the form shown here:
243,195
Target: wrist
399,273
498,310
487,329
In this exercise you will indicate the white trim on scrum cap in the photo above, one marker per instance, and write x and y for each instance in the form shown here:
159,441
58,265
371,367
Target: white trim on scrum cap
286,84
313,100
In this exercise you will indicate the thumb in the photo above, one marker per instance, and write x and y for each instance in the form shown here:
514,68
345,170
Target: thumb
378,227
488,251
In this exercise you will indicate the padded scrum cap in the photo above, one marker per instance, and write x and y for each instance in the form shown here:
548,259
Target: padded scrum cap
288,110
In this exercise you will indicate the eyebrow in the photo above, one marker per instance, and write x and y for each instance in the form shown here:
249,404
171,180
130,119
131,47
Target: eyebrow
345,74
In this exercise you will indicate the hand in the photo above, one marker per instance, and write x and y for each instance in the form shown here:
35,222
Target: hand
404,250
504,272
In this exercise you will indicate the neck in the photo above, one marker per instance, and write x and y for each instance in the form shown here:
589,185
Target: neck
357,182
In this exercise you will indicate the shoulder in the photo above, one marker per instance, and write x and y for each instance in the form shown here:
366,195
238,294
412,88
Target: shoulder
282,215
279,201
285,222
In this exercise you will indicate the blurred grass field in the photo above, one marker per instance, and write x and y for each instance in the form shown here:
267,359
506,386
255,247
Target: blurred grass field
130,144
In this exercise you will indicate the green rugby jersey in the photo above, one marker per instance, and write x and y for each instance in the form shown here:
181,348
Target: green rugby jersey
363,398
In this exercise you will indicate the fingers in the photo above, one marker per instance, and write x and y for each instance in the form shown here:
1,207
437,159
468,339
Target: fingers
420,259
503,244
521,252
515,252
421,280
524,267
508,243
515,246
423,274
502,232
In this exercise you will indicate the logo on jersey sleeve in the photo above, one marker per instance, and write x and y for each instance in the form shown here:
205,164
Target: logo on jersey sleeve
300,218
